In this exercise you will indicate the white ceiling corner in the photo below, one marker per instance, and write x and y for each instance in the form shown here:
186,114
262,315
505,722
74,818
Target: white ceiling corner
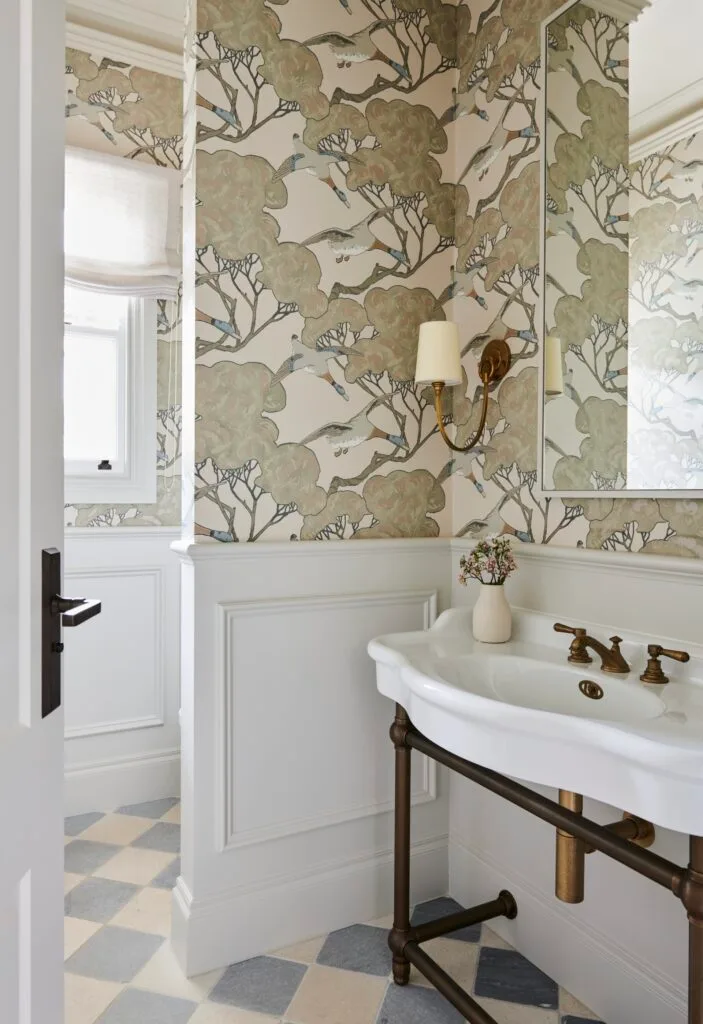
623,10
145,32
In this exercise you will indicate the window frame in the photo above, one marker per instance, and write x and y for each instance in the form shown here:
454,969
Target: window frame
134,480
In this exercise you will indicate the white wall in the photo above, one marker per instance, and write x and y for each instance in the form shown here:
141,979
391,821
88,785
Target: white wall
623,951
287,765
121,669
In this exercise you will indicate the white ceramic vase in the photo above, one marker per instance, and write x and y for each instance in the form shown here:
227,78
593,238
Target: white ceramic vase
492,620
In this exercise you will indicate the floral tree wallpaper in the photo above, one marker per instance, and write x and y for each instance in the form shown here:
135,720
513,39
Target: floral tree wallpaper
128,111
325,237
665,374
497,234
586,249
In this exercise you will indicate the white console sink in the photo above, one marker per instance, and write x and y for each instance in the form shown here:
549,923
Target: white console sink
522,709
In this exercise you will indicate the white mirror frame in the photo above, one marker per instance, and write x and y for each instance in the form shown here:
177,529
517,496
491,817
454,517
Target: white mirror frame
675,128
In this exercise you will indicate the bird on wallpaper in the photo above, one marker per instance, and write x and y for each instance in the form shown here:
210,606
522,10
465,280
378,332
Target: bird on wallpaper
343,436
612,63
680,169
315,162
346,5
562,224
108,62
311,360
498,331
90,112
464,105
348,242
569,389
220,325
462,465
560,60
486,156
228,116
358,48
463,282
494,526
617,218
687,288
614,374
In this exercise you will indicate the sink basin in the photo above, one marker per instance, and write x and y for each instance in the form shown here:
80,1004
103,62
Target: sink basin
522,709
530,683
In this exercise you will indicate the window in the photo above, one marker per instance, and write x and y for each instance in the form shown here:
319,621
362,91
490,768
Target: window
121,224
109,397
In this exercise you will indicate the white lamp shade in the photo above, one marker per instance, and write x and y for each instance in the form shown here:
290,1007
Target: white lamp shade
553,366
438,357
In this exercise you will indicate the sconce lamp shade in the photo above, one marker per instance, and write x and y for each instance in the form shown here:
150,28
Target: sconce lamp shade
438,357
553,366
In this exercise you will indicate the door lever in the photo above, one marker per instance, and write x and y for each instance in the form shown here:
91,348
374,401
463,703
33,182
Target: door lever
57,611
74,610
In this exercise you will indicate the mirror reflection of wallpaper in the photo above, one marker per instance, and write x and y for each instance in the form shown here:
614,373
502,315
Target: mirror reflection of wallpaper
498,215
117,108
586,247
666,319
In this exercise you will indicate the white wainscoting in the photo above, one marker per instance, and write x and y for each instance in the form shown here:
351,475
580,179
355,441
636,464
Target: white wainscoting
121,671
287,764
623,951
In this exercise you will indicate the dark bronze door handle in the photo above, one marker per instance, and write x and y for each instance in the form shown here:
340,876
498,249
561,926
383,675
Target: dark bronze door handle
57,611
74,610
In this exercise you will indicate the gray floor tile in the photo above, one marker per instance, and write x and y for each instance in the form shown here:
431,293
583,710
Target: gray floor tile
167,878
150,809
98,899
114,954
133,1006
358,948
82,857
161,836
78,823
264,984
505,974
414,1004
441,908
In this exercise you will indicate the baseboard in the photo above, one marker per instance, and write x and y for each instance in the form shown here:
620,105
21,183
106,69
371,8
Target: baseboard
104,785
621,988
247,922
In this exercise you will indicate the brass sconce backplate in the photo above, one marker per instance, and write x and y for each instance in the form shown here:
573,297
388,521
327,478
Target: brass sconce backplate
495,361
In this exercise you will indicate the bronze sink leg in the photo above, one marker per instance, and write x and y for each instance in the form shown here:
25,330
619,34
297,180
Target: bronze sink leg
400,932
692,898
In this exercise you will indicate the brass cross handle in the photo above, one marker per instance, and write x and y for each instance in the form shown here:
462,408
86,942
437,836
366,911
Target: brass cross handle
654,672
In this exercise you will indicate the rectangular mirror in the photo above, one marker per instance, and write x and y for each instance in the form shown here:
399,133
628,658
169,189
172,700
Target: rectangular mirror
622,249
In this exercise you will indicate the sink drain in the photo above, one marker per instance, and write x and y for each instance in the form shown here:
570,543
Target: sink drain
590,689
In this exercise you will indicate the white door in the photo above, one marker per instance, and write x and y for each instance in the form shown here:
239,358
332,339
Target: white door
31,491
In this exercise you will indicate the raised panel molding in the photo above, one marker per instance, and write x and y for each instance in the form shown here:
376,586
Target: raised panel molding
230,835
157,717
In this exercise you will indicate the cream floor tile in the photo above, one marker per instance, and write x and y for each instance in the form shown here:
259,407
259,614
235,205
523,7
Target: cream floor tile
212,1013
516,1013
121,829
489,938
330,996
174,815
70,881
459,959
163,974
302,952
135,865
87,998
148,911
75,933
567,1004
382,922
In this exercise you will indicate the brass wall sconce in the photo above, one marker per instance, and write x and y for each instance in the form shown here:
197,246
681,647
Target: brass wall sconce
439,364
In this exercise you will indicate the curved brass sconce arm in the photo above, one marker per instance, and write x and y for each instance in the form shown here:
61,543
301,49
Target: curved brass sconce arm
495,363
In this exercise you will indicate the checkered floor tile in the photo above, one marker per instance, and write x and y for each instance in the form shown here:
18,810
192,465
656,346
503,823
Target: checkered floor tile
120,868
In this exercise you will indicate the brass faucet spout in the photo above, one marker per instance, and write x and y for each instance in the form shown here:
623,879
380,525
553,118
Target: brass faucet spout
611,658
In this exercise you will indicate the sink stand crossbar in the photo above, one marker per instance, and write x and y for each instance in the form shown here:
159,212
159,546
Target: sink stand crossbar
405,939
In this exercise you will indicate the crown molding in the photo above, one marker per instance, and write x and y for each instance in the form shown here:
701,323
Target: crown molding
154,23
153,58
668,121
623,10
